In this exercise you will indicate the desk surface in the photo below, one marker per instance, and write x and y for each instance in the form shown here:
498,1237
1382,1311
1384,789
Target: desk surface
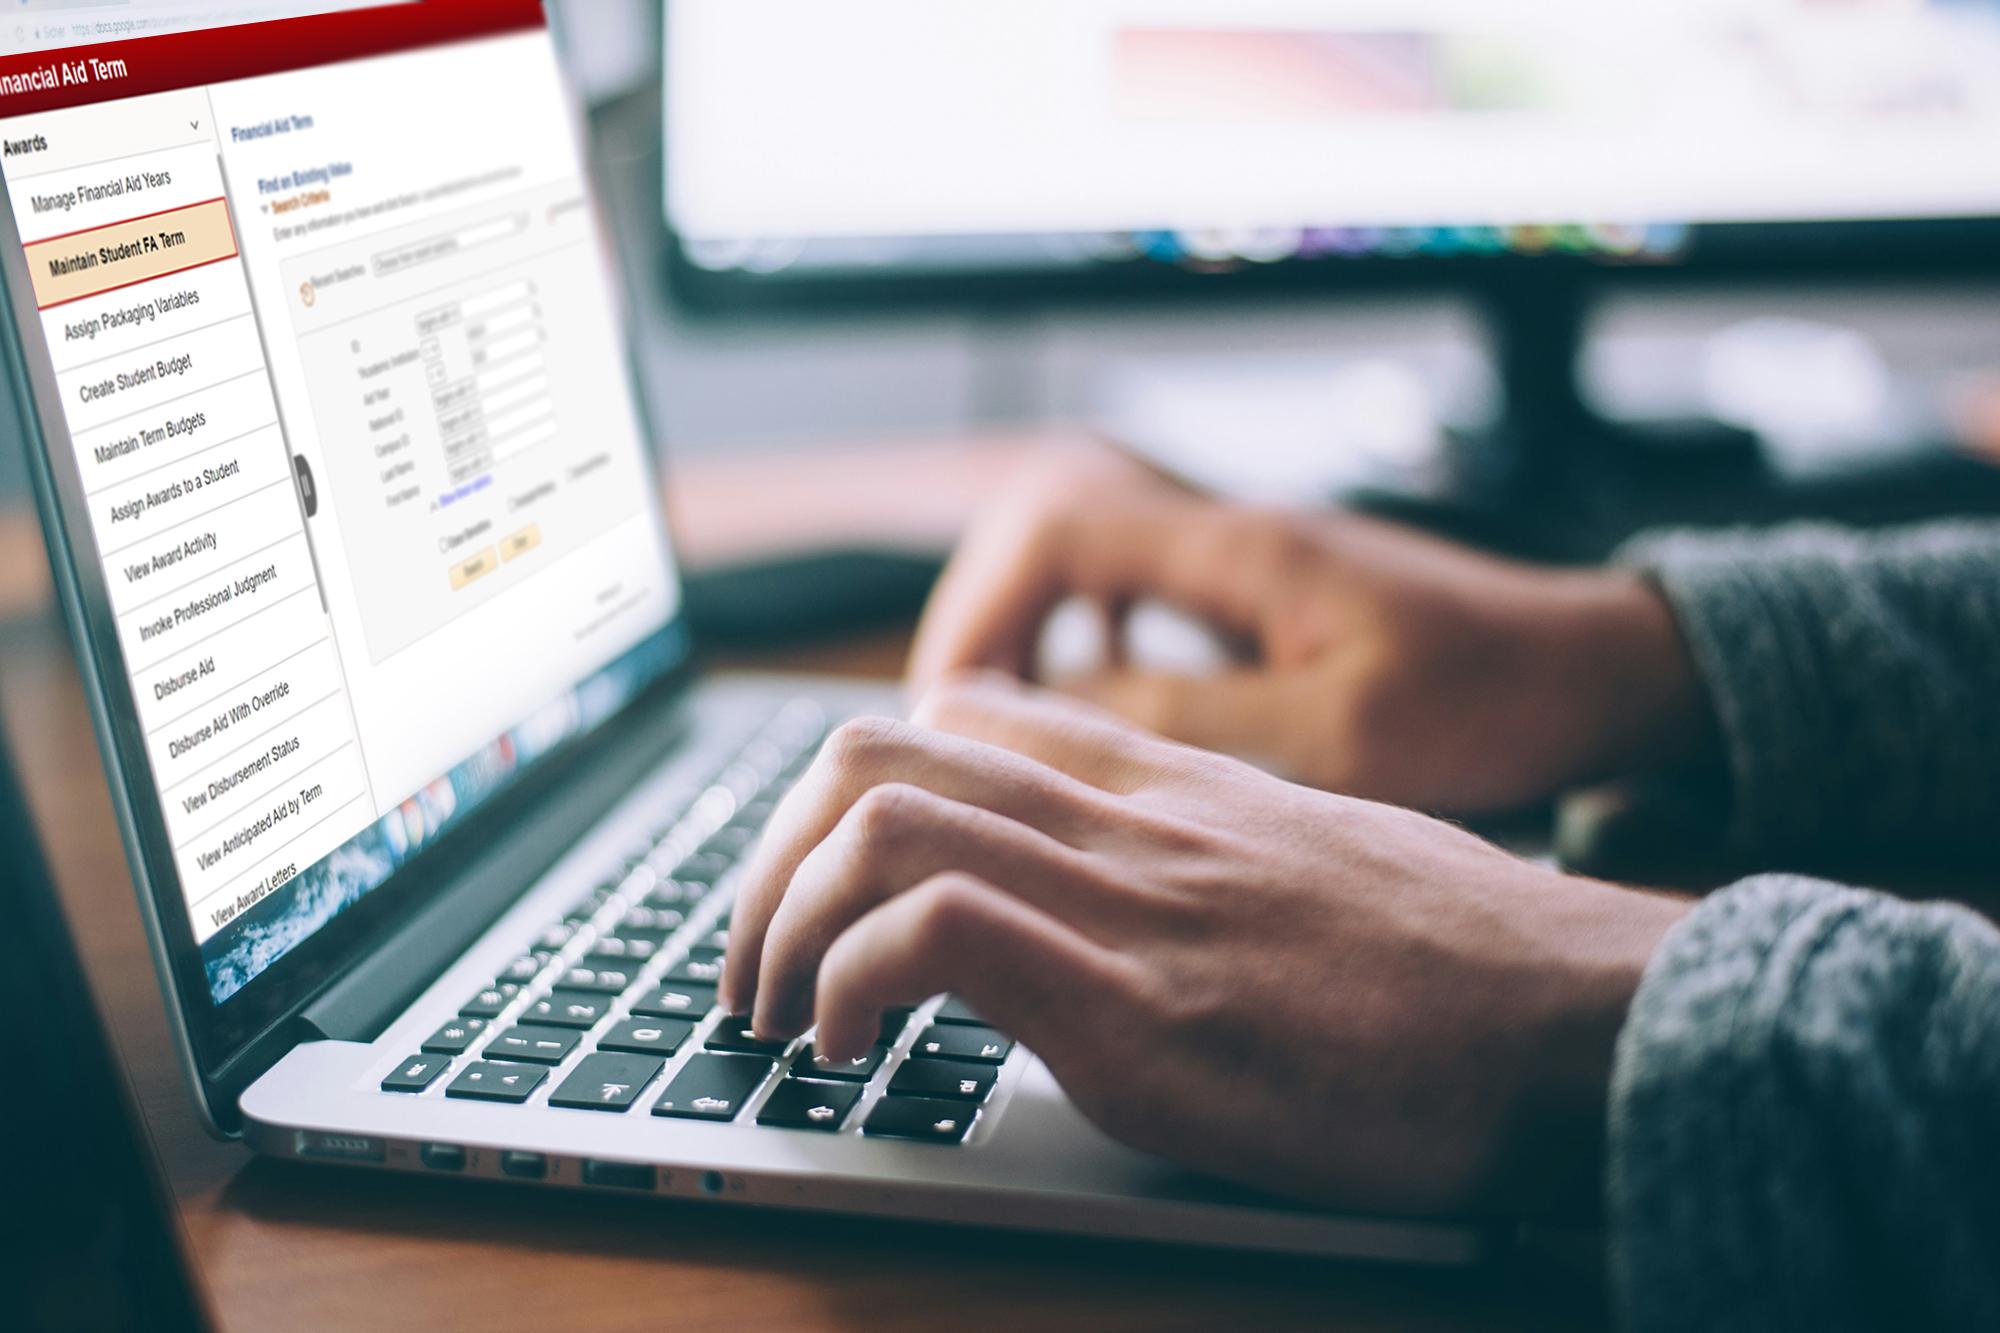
288,1246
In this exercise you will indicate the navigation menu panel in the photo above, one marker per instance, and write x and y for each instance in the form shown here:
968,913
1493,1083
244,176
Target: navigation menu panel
161,369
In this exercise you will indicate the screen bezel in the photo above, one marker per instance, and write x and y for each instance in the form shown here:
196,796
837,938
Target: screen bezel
1717,254
1877,250
216,1036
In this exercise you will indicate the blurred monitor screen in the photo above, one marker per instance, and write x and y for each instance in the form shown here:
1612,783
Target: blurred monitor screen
939,135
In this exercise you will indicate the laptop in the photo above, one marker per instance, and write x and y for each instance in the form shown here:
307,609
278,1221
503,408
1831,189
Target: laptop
88,1240
433,819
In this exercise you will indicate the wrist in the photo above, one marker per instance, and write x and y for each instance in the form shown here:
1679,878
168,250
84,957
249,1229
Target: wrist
1631,678
1603,938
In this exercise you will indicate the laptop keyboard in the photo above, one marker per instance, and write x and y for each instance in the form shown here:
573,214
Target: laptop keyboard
613,1010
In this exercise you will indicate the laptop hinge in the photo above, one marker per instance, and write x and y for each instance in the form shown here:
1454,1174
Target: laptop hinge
361,1003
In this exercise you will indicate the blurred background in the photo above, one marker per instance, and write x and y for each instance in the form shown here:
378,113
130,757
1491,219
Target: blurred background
1417,254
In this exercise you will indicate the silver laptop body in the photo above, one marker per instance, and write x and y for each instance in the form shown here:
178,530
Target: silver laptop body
397,335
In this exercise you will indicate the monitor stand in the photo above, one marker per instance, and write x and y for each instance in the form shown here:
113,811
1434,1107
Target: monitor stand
1557,480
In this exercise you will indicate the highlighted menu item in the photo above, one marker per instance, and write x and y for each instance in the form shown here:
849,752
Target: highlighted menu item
90,263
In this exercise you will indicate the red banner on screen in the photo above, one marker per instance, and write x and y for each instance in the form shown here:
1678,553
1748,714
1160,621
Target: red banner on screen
73,76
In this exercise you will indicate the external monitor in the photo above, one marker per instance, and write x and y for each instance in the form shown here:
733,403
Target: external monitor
1523,152
943,143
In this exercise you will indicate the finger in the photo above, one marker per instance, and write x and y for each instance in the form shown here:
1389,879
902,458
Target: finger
988,608
866,753
1251,713
1023,969
894,837
1087,743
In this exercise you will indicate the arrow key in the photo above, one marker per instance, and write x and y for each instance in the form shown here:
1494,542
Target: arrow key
606,1082
801,1104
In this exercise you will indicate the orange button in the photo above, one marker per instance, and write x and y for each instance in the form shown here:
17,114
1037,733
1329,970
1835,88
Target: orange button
522,542
479,566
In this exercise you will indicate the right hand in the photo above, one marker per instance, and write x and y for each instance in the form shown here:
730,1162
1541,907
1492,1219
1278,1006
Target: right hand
1338,1000
1382,662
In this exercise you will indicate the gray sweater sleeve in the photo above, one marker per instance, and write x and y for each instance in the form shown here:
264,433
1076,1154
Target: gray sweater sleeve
1804,1109
1855,678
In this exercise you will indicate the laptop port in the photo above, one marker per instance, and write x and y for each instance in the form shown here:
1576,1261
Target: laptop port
524,1165
340,1147
442,1156
618,1175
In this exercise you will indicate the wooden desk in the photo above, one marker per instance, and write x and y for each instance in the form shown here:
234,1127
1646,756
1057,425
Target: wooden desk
298,1247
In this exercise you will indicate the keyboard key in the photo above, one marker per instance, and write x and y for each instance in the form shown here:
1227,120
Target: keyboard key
599,980
893,1023
525,968
647,1036
536,1045
568,1009
958,1012
733,1034
416,1073
701,965
809,1065
946,1042
680,1000
606,1082
673,894
799,1104
487,1081
455,1036
622,950
922,1118
955,1080
655,923
489,1002
712,1087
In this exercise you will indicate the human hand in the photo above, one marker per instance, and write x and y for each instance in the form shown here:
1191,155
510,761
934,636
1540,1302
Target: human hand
1320,996
1382,662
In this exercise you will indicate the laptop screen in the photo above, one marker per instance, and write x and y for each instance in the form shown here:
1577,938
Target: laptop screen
329,366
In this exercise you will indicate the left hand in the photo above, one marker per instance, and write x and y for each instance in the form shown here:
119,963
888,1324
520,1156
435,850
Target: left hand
1380,661
1308,993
